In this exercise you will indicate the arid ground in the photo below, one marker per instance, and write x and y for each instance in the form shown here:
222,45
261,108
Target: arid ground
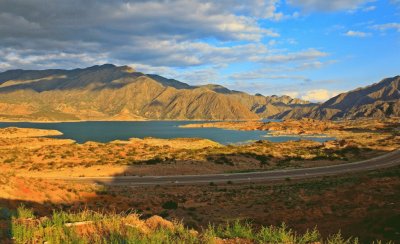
362,204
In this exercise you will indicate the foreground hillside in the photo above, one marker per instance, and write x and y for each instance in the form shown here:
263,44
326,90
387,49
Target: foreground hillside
363,205
109,92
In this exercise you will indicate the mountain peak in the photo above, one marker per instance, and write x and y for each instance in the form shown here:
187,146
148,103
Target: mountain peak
217,88
99,67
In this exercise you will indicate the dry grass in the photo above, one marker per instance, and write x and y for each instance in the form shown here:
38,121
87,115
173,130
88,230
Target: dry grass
94,227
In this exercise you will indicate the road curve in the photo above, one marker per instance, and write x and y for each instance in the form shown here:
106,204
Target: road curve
384,161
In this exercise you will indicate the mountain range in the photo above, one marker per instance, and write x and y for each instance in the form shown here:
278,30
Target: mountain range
109,92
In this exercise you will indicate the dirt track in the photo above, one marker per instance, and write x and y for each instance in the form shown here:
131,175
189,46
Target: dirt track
384,161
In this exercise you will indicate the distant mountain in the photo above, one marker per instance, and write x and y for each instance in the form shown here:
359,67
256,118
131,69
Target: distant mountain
378,100
109,92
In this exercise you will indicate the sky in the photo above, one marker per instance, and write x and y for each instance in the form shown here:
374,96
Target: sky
310,49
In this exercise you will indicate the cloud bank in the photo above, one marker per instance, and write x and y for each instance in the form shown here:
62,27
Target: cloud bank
170,33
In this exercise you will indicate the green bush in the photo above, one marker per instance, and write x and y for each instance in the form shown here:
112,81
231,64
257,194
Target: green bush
25,213
170,205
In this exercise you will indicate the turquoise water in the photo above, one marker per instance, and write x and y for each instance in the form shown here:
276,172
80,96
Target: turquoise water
118,130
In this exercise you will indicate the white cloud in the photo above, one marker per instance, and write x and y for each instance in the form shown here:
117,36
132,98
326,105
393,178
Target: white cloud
319,95
292,41
266,9
327,5
369,9
200,76
262,76
195,76
281,72
387,26
308,54
178,19
352,33
272,42
167,53
157,33
148,69
185,54
27,59
4,66
314,65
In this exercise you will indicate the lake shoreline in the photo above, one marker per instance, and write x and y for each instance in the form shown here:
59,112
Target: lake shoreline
144,120
107,131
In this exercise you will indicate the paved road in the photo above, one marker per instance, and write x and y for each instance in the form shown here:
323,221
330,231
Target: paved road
384,161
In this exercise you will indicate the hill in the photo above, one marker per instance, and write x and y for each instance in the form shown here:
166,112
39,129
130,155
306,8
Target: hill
379,100
110,92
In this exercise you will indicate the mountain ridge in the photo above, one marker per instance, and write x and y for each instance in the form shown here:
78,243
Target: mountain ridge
109,92
381,99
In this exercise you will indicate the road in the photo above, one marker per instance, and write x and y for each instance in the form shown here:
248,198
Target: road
384,161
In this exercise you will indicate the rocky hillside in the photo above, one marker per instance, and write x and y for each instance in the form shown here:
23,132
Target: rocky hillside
376,101
108,92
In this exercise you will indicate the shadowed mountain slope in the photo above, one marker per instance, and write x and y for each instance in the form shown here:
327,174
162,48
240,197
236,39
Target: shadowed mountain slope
378,100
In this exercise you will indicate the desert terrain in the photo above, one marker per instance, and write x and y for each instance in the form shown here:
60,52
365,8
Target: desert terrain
30,155
199,122
33,166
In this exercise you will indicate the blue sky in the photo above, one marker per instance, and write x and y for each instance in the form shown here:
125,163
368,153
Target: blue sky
303,48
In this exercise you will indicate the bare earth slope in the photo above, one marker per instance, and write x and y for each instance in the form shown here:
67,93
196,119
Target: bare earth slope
108,92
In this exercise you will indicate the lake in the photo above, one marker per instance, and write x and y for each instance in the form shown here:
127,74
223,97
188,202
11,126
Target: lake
106,131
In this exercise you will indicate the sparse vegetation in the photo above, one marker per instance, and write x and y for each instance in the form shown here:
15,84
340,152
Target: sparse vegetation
150,154
306,204
170,205
95,227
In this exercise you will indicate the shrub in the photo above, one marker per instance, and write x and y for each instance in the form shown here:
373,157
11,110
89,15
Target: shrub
236,229
25,213
170,205
221,159
9,160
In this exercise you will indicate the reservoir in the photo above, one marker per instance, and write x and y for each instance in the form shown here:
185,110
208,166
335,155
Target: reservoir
106,131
